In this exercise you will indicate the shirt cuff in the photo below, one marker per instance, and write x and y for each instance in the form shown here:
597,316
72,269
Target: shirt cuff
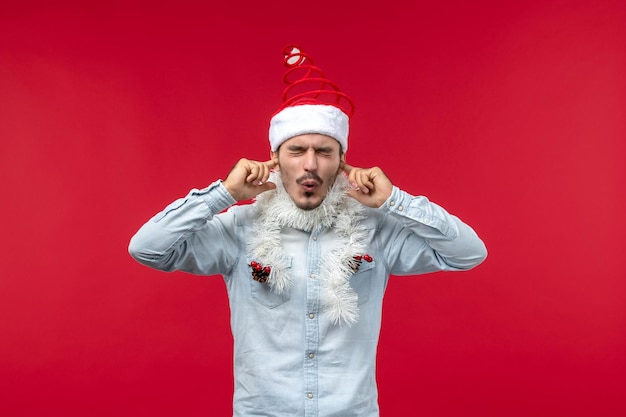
419,209
216,196
396,201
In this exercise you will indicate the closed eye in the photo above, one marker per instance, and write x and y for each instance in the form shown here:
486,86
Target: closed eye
296,150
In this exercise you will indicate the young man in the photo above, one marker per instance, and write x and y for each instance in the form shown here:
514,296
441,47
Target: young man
307,264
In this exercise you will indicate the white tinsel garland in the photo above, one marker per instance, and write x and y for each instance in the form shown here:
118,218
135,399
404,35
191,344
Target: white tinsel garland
339,212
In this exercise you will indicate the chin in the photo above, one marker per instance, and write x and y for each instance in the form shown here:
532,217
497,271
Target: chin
307,200
308,205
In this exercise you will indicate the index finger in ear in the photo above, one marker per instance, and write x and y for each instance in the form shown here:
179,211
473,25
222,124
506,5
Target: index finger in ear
271,163
346,168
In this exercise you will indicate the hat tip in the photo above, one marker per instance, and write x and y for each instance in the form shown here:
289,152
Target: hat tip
293,55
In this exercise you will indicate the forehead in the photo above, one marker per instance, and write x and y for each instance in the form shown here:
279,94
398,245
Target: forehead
312,140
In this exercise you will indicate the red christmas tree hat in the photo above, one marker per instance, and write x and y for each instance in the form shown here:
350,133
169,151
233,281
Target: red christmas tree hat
311,103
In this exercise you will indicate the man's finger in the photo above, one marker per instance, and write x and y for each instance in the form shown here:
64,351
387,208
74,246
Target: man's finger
346,168
271,163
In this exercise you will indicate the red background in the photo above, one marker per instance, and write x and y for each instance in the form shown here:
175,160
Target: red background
511,116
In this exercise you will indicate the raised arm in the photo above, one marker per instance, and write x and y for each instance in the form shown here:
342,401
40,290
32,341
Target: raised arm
189,235
418,236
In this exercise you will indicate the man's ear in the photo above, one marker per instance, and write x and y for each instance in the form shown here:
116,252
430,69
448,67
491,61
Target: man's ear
274,157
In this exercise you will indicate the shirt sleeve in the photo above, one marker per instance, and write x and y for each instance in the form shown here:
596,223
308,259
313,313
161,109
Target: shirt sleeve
189,235
419,236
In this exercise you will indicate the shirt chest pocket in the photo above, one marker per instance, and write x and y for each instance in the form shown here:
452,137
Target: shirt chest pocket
260,290
363,280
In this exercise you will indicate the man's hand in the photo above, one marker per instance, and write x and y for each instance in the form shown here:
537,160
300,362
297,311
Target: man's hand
249,178
370,186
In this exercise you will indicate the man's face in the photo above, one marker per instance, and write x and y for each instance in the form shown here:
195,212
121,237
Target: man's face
309,165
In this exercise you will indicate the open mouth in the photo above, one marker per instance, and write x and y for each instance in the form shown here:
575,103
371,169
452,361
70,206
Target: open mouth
310,182
309,185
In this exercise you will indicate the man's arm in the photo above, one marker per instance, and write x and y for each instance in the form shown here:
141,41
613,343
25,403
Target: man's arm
423,237
418,236
189,236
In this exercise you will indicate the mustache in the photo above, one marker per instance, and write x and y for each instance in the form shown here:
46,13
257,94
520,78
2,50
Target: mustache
310,176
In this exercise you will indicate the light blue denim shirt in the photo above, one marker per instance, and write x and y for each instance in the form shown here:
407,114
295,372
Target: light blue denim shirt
290,360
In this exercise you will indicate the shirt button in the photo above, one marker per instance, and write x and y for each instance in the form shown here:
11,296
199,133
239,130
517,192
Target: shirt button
392,203
314,237
400,208
311,356
311,315
313,276
309,395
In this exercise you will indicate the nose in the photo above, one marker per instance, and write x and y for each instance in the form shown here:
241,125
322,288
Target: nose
310,160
